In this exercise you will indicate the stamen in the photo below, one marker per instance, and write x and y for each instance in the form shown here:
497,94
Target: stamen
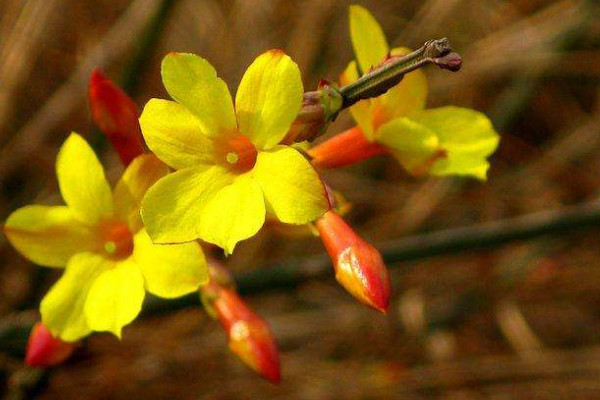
232,158
110,247
117,239
237,152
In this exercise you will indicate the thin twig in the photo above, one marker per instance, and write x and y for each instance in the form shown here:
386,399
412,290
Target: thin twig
391,71
292,272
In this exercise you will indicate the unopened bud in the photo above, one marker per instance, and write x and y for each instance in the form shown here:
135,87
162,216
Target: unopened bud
347,148
116,115
358,265
451,62
249,336
319,108
44,350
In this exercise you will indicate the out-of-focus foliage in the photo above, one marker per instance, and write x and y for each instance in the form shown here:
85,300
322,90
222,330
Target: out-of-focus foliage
98,238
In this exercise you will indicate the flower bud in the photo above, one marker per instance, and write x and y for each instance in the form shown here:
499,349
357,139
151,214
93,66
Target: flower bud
358,266
44,350
346,148
319,108
249,336
116,115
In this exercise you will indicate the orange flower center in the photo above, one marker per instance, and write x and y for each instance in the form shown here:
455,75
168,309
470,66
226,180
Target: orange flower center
237,152
117,240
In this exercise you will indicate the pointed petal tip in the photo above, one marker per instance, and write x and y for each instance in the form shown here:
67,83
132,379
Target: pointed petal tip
45,350
382,305
97,77
272,374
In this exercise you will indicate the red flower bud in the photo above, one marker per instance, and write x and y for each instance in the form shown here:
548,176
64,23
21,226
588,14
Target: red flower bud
358,266
44,350
117,116
249,336
346,148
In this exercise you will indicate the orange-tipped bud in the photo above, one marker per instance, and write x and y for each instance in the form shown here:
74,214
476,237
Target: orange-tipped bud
249,336
44,350
117,116
358,266
344,149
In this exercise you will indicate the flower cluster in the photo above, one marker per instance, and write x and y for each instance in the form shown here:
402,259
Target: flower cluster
203,168
231,169
98,237
441,141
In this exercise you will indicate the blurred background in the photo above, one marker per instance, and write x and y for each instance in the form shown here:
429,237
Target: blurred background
519,321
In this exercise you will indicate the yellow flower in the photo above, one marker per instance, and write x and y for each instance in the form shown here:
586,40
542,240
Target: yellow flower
230,168
99,237
440,141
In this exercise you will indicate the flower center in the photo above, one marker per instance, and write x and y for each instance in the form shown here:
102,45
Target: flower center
232,158
117,240
238,152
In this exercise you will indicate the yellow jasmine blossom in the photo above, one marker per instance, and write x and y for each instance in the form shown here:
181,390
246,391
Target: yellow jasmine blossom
98,236
440,141
230,168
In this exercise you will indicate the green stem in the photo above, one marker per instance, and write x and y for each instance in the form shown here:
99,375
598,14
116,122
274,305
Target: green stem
391,71
321,107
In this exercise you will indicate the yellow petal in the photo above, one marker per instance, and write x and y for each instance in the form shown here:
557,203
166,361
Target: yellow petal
235,213
368,40
362,112
174,134
170,270
63,307
82,182
350,74
466,136
412,144
171,208
115,298
293,190
193,83
139,176
268,98
408,97
48,236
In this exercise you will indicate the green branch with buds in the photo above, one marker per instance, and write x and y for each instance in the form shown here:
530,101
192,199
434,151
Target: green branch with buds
321,107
